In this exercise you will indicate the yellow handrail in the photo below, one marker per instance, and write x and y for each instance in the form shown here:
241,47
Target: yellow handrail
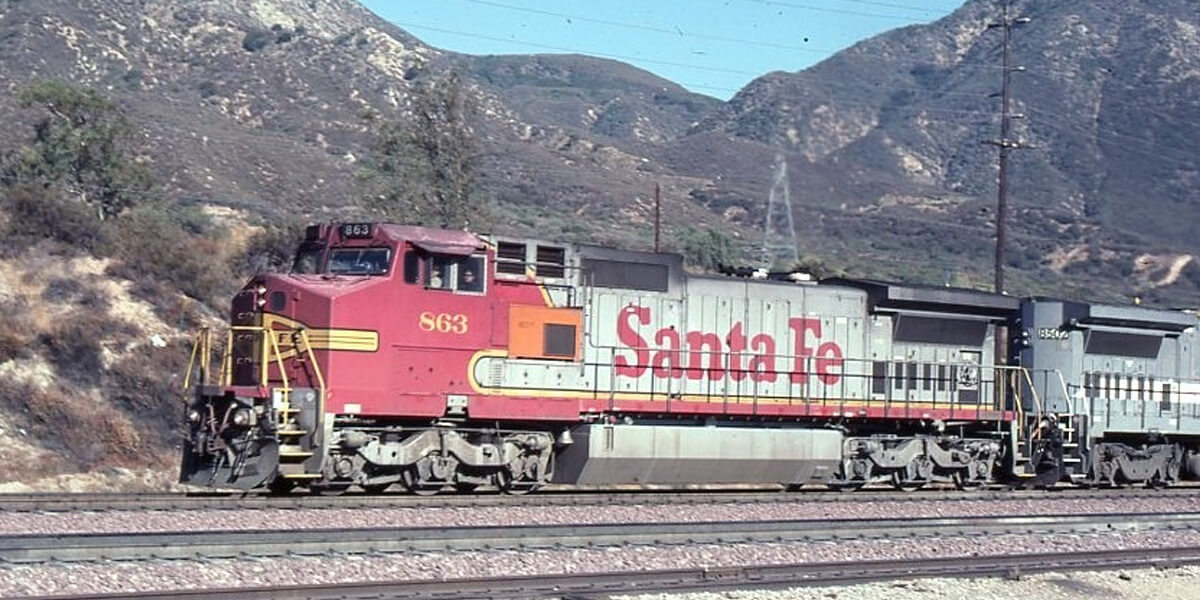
201,356
287,387
313,360
196,345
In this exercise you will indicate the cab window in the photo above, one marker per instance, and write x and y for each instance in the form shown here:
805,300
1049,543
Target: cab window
470,274
455,273
359,261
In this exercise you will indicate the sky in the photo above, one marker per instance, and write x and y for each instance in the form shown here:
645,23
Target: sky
712,47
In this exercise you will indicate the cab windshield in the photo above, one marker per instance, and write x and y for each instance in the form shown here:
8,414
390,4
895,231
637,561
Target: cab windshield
359,261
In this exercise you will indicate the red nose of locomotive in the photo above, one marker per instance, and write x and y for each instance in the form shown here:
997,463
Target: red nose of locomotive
254,417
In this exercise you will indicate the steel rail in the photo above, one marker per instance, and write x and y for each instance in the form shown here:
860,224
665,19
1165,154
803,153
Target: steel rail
73,502
600,585
319,542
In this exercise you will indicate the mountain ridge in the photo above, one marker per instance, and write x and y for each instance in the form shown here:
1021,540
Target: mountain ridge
249,104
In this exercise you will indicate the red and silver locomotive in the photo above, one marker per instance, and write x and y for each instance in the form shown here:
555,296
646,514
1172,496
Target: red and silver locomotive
441,359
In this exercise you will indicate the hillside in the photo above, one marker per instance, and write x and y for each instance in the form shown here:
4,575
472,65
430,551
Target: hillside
1105,199
255,114
261,105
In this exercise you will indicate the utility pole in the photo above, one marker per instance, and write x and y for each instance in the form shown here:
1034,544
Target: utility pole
657,216
779,243
1005,143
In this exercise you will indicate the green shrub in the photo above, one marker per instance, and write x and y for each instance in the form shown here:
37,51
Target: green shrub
150,243
37,213
257,39
270,250
706,248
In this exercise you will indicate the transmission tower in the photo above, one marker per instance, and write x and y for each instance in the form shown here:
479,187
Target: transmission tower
779,240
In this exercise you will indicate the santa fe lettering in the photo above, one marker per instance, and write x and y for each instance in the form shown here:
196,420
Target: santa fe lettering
708,356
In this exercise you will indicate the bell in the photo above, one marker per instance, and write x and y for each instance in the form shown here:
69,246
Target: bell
564,438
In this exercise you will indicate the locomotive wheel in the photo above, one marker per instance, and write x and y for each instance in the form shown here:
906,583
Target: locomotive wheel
330,489
507,485
413,483
902,483
846,486
281,486
963,482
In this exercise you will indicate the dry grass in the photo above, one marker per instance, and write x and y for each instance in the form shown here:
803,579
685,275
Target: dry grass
82,388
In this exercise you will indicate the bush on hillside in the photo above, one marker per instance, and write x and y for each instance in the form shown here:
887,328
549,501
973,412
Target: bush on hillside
152,244
270,250
15,330
36,213
74,345
257,39
147,385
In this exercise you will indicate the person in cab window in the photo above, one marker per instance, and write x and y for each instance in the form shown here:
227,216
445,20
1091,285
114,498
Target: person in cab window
435,278
468,282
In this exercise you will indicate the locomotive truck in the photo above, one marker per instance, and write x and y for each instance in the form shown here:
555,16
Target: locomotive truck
442,360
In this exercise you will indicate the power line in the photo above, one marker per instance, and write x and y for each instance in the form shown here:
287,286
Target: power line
1139,109
835,11
676,32
576,50
1112,136
807,76
892,5
638,27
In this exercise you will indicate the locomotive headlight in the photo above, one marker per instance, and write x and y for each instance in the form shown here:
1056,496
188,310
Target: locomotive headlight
241,418
194,416
260,290
261,302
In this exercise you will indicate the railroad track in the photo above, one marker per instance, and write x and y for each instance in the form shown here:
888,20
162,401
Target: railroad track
602,585
41,549
67,502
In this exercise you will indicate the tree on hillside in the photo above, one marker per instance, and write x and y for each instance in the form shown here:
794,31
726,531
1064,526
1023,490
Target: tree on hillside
82,145
423,171
817,267
706,248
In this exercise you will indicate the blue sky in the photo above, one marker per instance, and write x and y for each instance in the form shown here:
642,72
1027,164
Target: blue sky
713,47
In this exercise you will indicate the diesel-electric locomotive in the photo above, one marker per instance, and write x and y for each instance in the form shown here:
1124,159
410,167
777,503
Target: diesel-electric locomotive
443,360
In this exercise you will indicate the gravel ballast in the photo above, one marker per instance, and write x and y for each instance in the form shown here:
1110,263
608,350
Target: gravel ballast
132,577
272,518
1140,584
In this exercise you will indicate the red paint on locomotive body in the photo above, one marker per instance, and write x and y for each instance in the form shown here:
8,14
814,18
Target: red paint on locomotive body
428,340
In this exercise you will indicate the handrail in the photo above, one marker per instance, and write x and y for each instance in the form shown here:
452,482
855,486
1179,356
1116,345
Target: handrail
287,387
313,360
268,352
197,343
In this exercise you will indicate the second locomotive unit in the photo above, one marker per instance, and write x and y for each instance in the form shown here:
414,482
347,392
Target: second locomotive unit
444,360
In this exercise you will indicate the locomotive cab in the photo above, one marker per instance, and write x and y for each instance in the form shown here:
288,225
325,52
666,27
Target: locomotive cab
310,344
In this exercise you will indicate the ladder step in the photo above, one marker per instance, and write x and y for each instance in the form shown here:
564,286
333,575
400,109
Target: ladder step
290,432
295,454
301,475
